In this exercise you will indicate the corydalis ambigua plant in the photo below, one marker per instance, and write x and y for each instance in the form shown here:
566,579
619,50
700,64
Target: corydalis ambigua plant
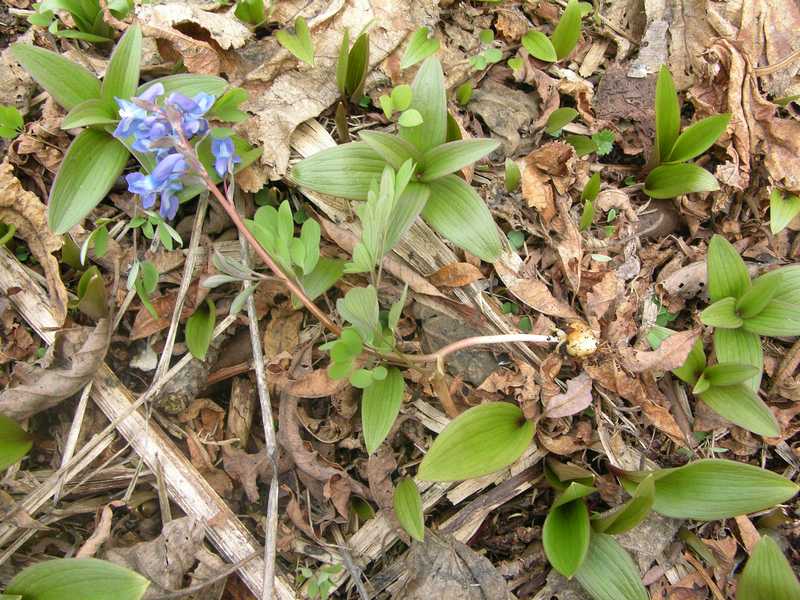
445,201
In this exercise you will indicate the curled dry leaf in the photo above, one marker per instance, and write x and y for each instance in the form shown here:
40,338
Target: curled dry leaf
67,374
603,295
546,171
101,533
577,397
316,384
145,325
668,356
531,291
456,275
24,210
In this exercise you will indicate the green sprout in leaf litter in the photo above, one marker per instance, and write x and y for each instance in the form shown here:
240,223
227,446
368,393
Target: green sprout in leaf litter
298,43
421,45
85,21
11,122
561,42
489,55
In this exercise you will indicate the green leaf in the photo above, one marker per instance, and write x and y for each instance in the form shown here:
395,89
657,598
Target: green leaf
408,508
741,406
226,108
406,210
397,310
668,115
392,148
782,210
299,43
591,189
420,47
786,282
558,119
777,319
410,118
361,379
742,347
62,578
11,122
200,329
539,46
429,99
93,300
482,440
609,573
583,144
727,273
464,93
671,180
90,167
357,66
341,63
14,442
568,30
188,84
604,140
566,531
89,112
698,137
712,489
401,96
628,515
701,386
454,156
69,84
729,373
722,314
380,405
250,11
755,299
323,171
456,211
767,575
512,175
122,74
360,308
587,216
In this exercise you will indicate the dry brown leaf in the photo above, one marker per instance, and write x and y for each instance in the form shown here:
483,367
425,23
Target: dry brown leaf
671,354
540,170
380,466
145,325
101,533
534,293
246,469
511,24
748,532
64,377
25,211
456,275
603,295
316,384
505,111
577,397
282,333
569,244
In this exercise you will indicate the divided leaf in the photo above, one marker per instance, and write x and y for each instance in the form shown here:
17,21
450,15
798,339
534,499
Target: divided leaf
380,405
609,573
299,43
408,508
767,575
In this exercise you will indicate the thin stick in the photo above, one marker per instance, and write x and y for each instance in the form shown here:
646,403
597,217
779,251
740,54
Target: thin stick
204,584
271,526
481,340
72,436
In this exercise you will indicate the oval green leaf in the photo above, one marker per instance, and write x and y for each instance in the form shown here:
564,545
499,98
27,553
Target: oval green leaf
565,535
89,112
482,440
408,508
742,347
420,47
609,573
454,156
777,319
380,405
14,442
539,46
727,273
669,181
722,314
559,118
568,30
698,138
122,74
740,405
782,210
755,299
323,171
360,308
200,329
729,374
767,575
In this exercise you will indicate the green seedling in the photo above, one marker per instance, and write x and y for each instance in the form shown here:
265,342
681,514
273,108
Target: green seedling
251,12
513,176
464,93
154,226
11,122
399,101
85,15
563,39
200,329
601,143
298,43
320,583
588,196
783,208
489,55
421,45
143,277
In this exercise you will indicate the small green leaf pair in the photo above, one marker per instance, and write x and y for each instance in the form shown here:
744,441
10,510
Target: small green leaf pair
400,101
143,277
250,11
563,39
674,176
489,55
92,298
352,66
452,207
87,17
601,142
420,46
588,196
298,43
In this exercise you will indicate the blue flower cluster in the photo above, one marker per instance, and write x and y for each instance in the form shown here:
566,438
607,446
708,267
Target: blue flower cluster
152,132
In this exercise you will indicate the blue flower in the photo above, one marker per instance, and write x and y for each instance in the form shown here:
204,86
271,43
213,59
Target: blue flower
225,156
132,115
192,111
165,180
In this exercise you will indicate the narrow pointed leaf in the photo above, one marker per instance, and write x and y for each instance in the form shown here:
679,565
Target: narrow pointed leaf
756,299
357,66
90,167
188,84
727,273
341,64
628,515
68,83
668,114
741,406
767,575
712,489
420,47
698,137
539,46
454,156
405,211
345,171
565,536
742,347
669,181
428,98
722,314
380,405
559,118
729,373
592,188
482,440
200,328
782,209
456,211
14,442
568,30
408,508
391,148
360,308
122,75
777,319
609,573
785,281
89,112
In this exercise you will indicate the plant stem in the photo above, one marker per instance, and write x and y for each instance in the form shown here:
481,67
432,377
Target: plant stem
481,340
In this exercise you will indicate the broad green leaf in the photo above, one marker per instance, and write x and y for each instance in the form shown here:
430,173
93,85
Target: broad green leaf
701,386
380,405
226,108
11,122
386,105
325,171
539,46
755,299
591,189
712,489
729,373
327,272
782,209
786,282
410,118
408,508
456,211
429,99
698,137
742,347
62,578
767,575
420,47
727,273
122,75
200,329
14,442
299,43
482,440
90,167
68,83
741,406
722,314
464,93
587,216
401,96
357,66
628,515
250,11
609,573
89,112
558,119
188,84
93,300
566,533
360,308
454,156
671,180
512,175
405,212
668,115
583,144
568,30
574,491
778,319
391,148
